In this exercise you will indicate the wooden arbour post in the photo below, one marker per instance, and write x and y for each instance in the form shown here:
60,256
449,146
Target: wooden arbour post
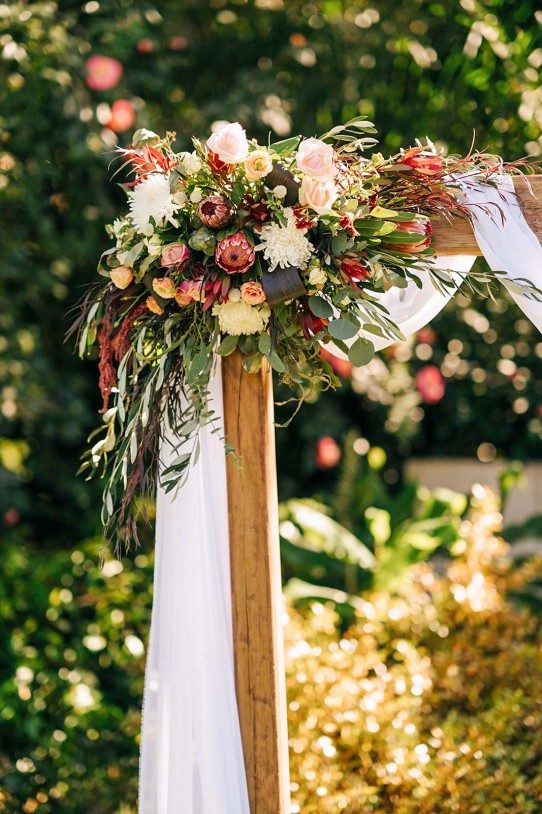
254,546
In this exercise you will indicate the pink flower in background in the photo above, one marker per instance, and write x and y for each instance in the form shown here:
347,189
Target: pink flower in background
11,517
177,43
122,116
103,73
426,335
430,383
328,452
145,46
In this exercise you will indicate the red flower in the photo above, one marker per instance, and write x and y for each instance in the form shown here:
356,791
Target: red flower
216,165
103,73
328,452
427,335
347,224
312,325
342,367
122,116
148,159
430,384
353,270
235,254
259,211
145,46
215,211
302,218
422,163
420,226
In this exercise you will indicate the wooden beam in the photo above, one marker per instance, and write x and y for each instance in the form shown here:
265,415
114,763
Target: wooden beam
457,236
256,585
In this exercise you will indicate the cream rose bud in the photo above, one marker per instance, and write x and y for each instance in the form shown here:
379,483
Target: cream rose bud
317,277
122,276
316,159
252,293
229,143
164,287
318,195
176,254
190,163
258,165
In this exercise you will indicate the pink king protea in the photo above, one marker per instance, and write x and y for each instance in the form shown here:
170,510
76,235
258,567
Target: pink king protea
214,211
234,254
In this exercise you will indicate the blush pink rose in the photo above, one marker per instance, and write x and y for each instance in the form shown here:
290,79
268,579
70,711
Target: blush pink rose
229,143
176,254
252,293
315,158
318,195
102,73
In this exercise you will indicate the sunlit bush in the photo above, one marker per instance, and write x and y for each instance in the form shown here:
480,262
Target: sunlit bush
431,701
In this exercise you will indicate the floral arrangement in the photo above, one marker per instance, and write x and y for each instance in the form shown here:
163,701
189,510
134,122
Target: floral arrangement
272,251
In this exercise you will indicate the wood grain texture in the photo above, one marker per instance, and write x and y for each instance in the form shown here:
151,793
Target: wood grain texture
256,585
457,236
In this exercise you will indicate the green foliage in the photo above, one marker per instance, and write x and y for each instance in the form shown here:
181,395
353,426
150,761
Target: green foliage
380,536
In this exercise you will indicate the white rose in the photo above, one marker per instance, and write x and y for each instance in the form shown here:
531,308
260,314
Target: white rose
316,159
317,277
318,195
229,143
190,163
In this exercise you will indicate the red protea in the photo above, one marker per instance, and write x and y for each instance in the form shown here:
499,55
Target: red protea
215,211
353,271
422,162
235,254
418,226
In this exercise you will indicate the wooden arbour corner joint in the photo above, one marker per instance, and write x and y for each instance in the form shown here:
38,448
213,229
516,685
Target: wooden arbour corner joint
456,237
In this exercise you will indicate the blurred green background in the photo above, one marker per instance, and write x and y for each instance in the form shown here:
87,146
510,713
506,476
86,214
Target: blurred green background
76,80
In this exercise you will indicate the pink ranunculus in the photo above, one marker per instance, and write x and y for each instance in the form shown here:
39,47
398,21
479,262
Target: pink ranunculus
122,116
252,293
102,73
430,384
190,291
328,452
175,255
229,143
316,159
121,277
318,195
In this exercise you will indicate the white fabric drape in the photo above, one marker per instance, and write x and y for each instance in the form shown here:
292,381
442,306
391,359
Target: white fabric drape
191,754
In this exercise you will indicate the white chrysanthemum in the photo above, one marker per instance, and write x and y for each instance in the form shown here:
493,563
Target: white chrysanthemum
236,317
285,245
151,198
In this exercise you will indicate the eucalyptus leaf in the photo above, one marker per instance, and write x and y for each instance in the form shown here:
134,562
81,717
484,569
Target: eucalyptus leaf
320,307
342,329
361,352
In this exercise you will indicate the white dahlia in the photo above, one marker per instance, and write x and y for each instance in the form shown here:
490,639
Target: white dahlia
285,245
151,198
236,317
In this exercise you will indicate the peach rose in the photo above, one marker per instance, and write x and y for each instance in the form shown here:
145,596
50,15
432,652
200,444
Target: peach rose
229,143
122,276
176,254
318,195
153,306
315,158
164,287
252,293
258,165
190,291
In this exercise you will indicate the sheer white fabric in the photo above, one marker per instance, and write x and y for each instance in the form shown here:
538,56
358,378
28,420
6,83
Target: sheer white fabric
191,754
